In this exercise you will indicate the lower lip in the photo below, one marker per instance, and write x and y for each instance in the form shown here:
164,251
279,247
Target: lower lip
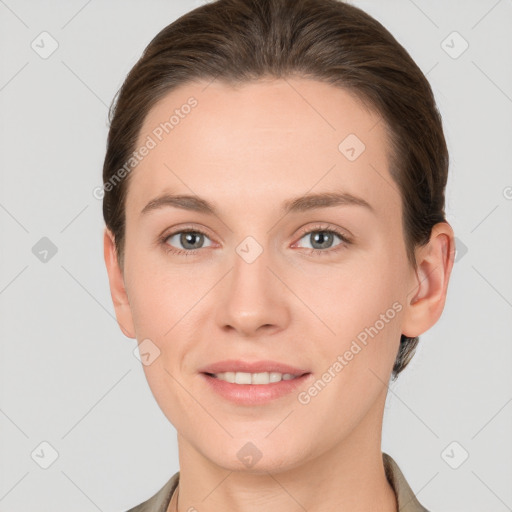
254,394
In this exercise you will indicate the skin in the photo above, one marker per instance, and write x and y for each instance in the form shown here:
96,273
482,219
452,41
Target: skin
247,150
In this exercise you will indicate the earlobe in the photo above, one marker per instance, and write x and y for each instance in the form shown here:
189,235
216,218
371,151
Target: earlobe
117,286
426,299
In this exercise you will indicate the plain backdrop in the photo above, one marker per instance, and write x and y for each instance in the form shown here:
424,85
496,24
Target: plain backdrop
73,396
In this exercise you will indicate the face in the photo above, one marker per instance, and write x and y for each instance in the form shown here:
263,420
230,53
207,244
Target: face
319,283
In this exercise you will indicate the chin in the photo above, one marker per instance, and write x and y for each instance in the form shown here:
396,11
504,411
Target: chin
257,457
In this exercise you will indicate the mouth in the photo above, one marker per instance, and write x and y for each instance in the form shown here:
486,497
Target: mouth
260,378
252,367
251,389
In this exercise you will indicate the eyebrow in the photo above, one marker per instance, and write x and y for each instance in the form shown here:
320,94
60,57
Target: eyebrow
299,204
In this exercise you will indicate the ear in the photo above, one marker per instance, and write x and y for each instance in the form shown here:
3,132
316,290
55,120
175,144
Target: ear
117,288
427,296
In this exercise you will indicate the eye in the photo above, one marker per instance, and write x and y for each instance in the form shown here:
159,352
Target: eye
188,241
321,239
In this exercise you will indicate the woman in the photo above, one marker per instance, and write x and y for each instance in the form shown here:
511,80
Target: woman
276,242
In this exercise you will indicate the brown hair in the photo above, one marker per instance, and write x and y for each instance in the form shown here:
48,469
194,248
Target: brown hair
328,40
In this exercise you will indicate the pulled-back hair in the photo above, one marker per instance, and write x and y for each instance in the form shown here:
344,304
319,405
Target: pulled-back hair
238,41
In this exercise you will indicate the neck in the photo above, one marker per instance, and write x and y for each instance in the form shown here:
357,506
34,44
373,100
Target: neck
347,477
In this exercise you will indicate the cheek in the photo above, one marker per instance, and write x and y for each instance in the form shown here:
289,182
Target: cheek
159,295
361,307
354,361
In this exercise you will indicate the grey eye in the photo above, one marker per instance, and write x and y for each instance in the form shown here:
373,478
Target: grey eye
320,239
189,240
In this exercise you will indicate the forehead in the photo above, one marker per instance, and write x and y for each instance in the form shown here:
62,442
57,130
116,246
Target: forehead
262,141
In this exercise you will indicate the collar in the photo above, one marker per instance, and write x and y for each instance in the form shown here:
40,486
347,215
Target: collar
406,500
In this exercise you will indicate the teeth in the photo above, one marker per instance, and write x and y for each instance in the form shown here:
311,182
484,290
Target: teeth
254,378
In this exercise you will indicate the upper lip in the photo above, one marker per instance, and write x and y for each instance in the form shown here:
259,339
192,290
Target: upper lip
232,365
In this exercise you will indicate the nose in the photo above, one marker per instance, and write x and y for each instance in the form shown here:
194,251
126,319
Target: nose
253,299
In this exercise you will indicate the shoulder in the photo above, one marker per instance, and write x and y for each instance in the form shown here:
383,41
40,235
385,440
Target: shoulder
160,501
407,501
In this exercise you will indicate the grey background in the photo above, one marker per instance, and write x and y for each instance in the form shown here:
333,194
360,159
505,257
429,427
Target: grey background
68,376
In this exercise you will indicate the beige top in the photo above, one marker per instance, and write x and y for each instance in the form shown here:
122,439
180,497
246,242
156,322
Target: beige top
406,500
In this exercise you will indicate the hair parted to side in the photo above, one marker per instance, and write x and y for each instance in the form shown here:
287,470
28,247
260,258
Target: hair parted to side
237,41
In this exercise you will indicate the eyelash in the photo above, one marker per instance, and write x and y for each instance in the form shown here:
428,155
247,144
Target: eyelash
346,241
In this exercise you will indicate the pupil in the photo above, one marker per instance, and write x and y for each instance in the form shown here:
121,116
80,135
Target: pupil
187,237
320,236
